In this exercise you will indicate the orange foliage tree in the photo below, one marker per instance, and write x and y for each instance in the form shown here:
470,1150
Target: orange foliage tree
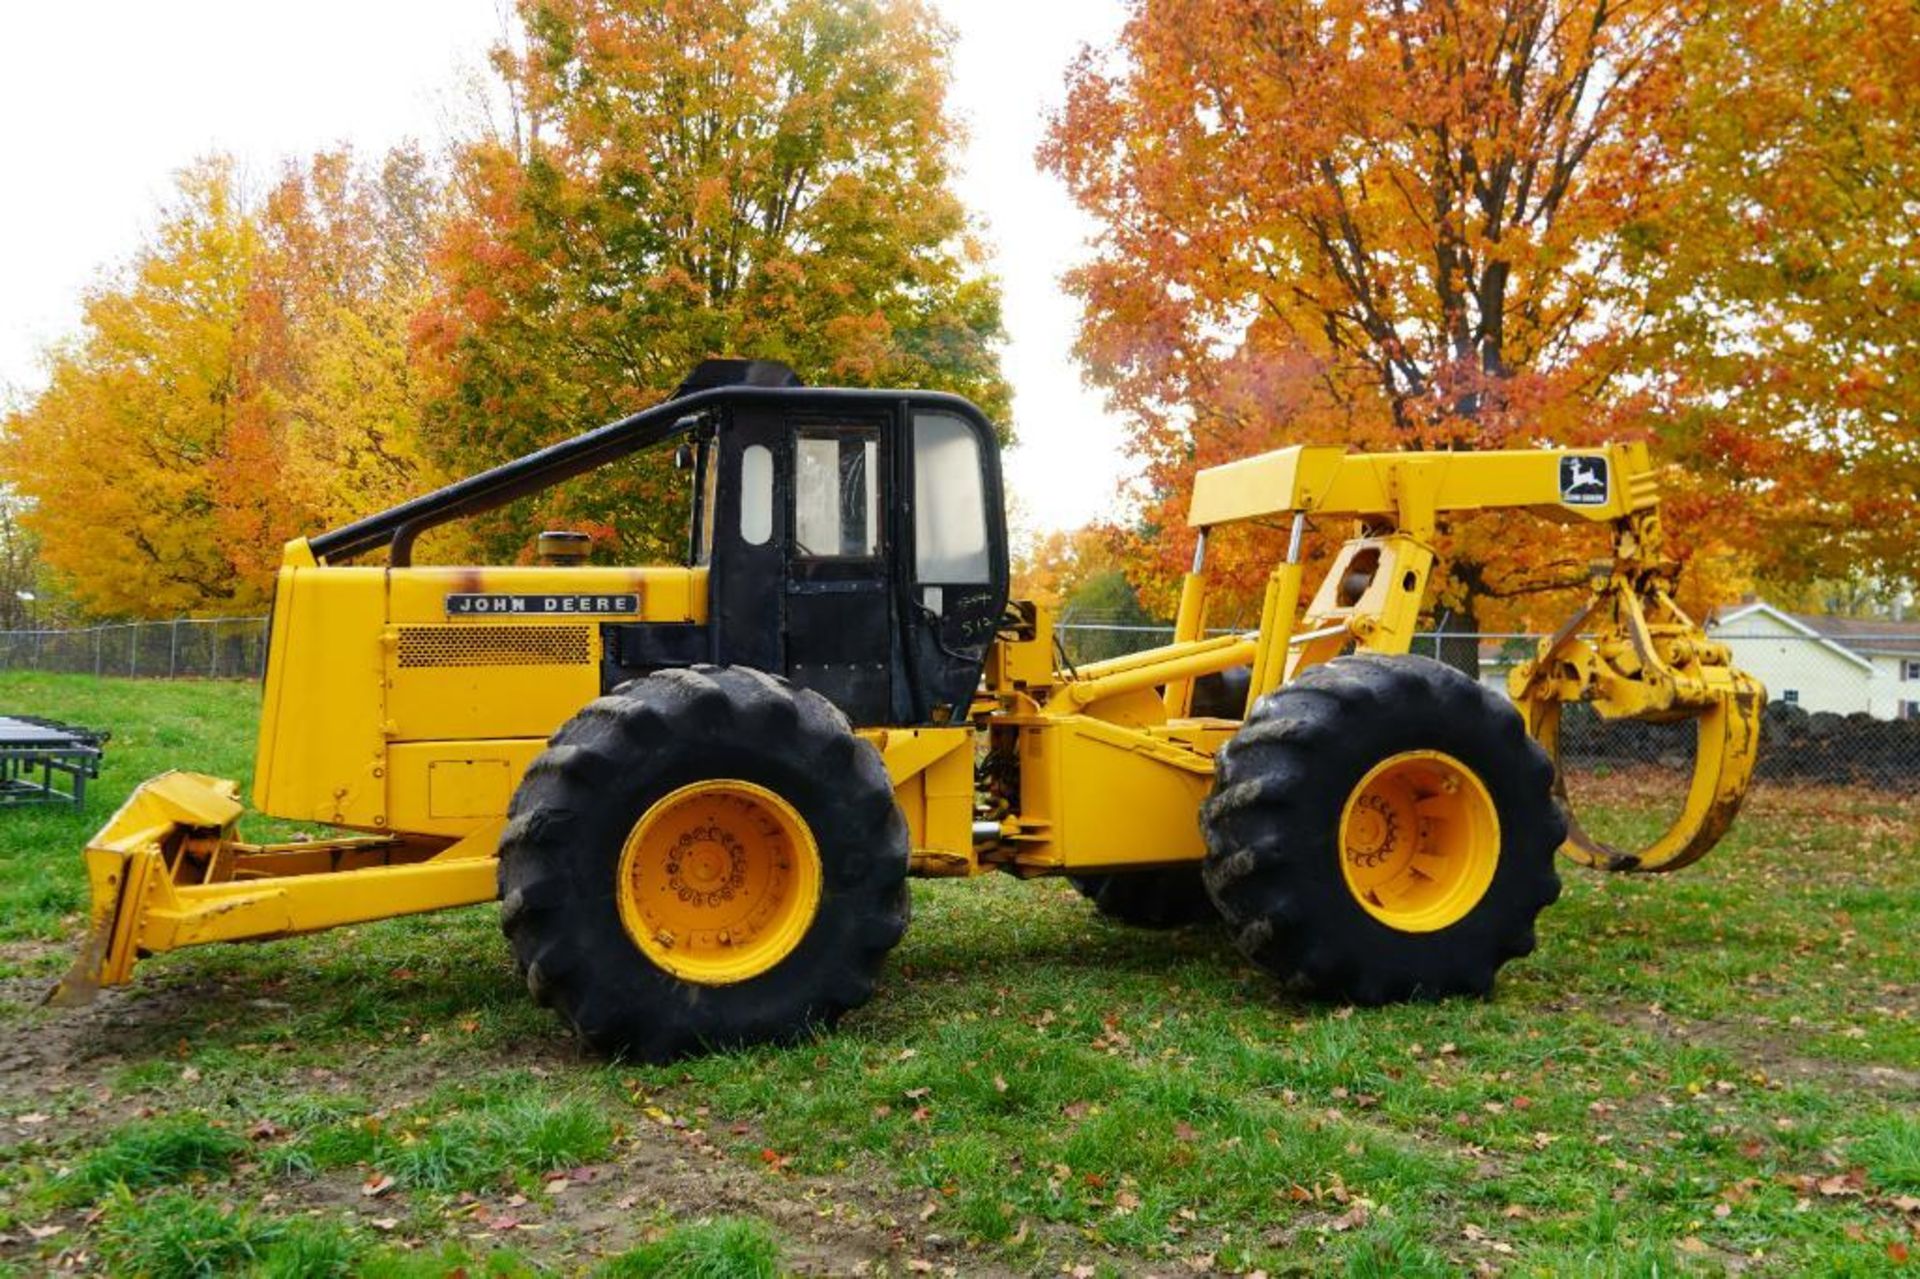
1465,224
242,381
700,178
1050,567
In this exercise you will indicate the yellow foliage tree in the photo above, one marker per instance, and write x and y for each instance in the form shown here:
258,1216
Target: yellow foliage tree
243,380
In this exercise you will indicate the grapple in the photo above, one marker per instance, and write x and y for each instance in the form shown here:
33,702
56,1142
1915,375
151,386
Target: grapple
1632,653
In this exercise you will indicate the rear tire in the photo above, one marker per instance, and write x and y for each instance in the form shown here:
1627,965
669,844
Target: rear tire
768,791
1170,897
1289,863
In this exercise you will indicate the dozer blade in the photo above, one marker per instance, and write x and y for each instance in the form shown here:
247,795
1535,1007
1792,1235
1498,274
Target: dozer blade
126,862
1727,743
166,872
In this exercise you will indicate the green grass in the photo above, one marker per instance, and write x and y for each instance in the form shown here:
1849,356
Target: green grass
459,1141
728,1248
150,1152
1717,1071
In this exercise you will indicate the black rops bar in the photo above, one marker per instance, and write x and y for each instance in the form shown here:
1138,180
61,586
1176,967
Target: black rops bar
510,480
400,525
553,464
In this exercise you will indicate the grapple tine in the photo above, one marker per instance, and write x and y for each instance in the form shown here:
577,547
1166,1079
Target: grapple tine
1726,736
1632,653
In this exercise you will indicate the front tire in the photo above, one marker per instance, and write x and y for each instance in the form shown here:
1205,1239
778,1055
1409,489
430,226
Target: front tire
1383,828
705,859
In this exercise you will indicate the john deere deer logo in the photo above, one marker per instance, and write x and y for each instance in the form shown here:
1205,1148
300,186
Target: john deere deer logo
1583,481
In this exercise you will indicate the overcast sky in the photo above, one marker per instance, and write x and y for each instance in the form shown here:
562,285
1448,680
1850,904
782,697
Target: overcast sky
108,99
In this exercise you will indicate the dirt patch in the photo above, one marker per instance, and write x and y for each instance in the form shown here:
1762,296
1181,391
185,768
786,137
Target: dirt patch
1767,1048
57,1071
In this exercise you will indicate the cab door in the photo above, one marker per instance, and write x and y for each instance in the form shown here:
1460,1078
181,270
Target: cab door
955,578
840,619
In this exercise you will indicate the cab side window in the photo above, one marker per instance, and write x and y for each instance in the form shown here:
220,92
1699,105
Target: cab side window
949,503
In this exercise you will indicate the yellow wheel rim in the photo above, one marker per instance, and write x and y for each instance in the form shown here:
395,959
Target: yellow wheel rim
1419,841
719,881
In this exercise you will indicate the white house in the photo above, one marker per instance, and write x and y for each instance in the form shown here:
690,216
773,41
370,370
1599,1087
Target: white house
1839,664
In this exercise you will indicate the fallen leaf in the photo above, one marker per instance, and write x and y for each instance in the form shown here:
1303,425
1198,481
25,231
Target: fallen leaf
378,1184
1348,1220
384,1223
29,1121
45,1232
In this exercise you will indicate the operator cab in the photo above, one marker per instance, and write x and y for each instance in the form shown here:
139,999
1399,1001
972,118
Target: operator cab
854,540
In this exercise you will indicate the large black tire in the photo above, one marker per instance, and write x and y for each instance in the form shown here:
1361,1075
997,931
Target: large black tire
1169,897
1274,849
605,768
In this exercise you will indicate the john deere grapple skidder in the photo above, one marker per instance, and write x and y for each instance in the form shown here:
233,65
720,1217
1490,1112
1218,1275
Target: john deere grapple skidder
699,789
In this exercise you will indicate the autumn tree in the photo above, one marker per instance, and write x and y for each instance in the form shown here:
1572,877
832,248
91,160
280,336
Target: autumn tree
1786,275
695,178
1469,224
241,381
341,279
120,454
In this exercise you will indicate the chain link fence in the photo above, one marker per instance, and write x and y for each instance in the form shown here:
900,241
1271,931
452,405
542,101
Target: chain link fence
186,647
1844,710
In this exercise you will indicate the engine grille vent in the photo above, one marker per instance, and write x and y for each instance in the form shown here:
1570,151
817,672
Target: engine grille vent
422,646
